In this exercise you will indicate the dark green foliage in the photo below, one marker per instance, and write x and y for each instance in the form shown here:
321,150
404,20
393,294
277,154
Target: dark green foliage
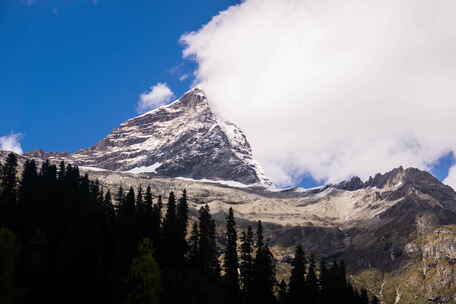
207,244
263,276
259,234
246,265
7,266
193,254
297,279
169,254
76,244
311,284
144,276
8,190
182,222
231,261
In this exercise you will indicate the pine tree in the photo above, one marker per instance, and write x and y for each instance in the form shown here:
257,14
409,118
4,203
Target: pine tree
264,276
127,204
297,279
231,263
157,222
324,283
207,244
311,283
109,207
7,266
144,276
8,186
120,198
170,236
139,200
260,239
246,266
193,254
28,204
148,217
182,219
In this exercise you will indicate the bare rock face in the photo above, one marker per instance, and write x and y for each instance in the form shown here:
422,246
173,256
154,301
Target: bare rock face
182,139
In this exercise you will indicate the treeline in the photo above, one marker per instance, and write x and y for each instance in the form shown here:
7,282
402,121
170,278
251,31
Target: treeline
63,240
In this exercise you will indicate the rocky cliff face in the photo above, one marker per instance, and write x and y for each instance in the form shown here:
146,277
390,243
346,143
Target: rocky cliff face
182,139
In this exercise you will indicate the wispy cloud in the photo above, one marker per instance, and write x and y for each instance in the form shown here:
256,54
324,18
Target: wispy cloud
184,77
157,95
11,143
28,2
334,88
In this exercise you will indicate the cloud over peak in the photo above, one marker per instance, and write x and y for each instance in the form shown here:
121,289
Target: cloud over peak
333,88
157,95
11,143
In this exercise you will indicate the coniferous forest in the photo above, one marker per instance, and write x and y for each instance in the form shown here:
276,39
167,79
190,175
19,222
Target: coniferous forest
65,239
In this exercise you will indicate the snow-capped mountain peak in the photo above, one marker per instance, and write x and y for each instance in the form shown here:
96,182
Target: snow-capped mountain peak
182,139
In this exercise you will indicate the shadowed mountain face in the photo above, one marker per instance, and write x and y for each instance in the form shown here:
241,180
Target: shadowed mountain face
182,139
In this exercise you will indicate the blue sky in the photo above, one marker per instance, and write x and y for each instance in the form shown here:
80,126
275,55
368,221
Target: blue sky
72,70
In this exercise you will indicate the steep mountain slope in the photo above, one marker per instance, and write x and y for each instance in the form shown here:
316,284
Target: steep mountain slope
182,139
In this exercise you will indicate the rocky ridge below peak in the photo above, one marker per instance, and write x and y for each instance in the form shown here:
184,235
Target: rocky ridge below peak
394,178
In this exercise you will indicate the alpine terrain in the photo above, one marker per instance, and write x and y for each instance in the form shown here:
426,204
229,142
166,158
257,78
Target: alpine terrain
396,231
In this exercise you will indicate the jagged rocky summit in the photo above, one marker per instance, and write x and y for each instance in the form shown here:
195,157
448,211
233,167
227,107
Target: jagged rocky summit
182,139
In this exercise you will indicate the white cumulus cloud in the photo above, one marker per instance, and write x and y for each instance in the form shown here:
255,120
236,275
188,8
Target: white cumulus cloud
334,88
451,178
11,143
158,95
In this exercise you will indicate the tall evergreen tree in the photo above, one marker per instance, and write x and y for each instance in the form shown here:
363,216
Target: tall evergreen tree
7,266
259,234
8,186
311,284
130,203
246,266
170,235
120,198
140,207
324,280
231,262
207,244
144,277
182,219
263,278
28,204
193,254
297,279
